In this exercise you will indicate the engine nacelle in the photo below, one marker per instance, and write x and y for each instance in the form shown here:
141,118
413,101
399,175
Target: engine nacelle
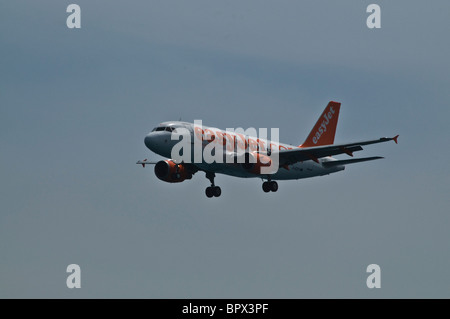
167,171
254,162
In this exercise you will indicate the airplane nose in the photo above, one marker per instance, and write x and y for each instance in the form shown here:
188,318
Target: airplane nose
150,141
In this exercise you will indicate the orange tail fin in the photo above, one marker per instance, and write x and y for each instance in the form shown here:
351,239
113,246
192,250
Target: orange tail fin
325,129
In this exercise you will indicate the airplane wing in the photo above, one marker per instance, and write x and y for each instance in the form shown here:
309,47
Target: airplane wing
291,156
192,168
145,162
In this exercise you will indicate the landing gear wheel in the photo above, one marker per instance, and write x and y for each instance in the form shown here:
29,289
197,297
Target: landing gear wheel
213,190
209,192
273,186
266,187
216,191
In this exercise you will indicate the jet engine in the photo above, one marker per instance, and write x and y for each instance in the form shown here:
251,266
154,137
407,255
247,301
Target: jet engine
170,172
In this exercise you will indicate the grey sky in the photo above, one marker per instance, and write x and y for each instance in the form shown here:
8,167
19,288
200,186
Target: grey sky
75,106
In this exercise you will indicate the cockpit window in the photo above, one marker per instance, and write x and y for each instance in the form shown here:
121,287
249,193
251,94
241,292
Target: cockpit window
163,128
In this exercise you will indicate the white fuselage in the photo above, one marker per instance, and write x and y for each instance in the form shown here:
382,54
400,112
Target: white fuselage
161,143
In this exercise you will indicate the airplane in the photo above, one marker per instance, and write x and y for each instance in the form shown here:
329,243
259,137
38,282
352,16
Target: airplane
251,154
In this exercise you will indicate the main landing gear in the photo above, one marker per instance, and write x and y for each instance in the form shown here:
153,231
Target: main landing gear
212,190
270,186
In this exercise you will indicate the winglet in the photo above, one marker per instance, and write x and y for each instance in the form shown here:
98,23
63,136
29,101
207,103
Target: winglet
142,162
395,139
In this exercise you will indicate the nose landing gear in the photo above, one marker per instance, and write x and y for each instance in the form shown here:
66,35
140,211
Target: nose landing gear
212,191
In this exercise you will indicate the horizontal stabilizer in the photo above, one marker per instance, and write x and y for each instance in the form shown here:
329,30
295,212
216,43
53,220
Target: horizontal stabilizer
349,161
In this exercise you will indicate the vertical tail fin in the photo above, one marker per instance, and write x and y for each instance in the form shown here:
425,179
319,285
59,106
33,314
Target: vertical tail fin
325,129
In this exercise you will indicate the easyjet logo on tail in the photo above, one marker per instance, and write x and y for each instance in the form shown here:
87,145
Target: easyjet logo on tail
323,128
